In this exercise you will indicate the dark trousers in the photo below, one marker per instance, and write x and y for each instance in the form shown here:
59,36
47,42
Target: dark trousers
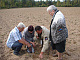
17,47
60,47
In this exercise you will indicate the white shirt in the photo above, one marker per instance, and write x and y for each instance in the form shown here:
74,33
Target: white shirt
45,34
45,37
14,36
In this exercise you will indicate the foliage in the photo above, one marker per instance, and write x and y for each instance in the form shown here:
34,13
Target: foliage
40,3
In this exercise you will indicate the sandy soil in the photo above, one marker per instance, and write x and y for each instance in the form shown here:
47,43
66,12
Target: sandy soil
9,18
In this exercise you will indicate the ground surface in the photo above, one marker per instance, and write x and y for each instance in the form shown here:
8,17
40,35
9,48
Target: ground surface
9,18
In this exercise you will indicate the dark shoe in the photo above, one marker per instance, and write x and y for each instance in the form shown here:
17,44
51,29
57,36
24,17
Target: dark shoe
29,51
59,59
55,55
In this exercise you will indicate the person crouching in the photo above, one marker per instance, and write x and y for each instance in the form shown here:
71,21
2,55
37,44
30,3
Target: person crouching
28,35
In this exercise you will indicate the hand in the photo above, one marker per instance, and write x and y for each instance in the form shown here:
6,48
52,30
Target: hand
41,55
28,45
33,44
37,37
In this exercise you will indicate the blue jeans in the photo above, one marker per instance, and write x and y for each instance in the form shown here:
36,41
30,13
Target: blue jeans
17,47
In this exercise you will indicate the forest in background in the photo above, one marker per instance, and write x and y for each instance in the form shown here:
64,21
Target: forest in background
41,3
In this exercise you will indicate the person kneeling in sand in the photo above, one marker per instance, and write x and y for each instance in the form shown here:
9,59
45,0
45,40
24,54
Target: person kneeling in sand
28,35
15,39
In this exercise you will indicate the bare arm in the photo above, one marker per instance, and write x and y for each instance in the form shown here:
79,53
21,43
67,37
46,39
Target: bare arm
23,41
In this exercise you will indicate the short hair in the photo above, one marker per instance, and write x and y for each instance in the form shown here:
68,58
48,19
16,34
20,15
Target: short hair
37,28
30,28
51,7
21,25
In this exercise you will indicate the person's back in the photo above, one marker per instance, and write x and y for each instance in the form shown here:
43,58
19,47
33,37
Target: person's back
45,31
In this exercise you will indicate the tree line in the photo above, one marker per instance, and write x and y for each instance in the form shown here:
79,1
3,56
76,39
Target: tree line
40,3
